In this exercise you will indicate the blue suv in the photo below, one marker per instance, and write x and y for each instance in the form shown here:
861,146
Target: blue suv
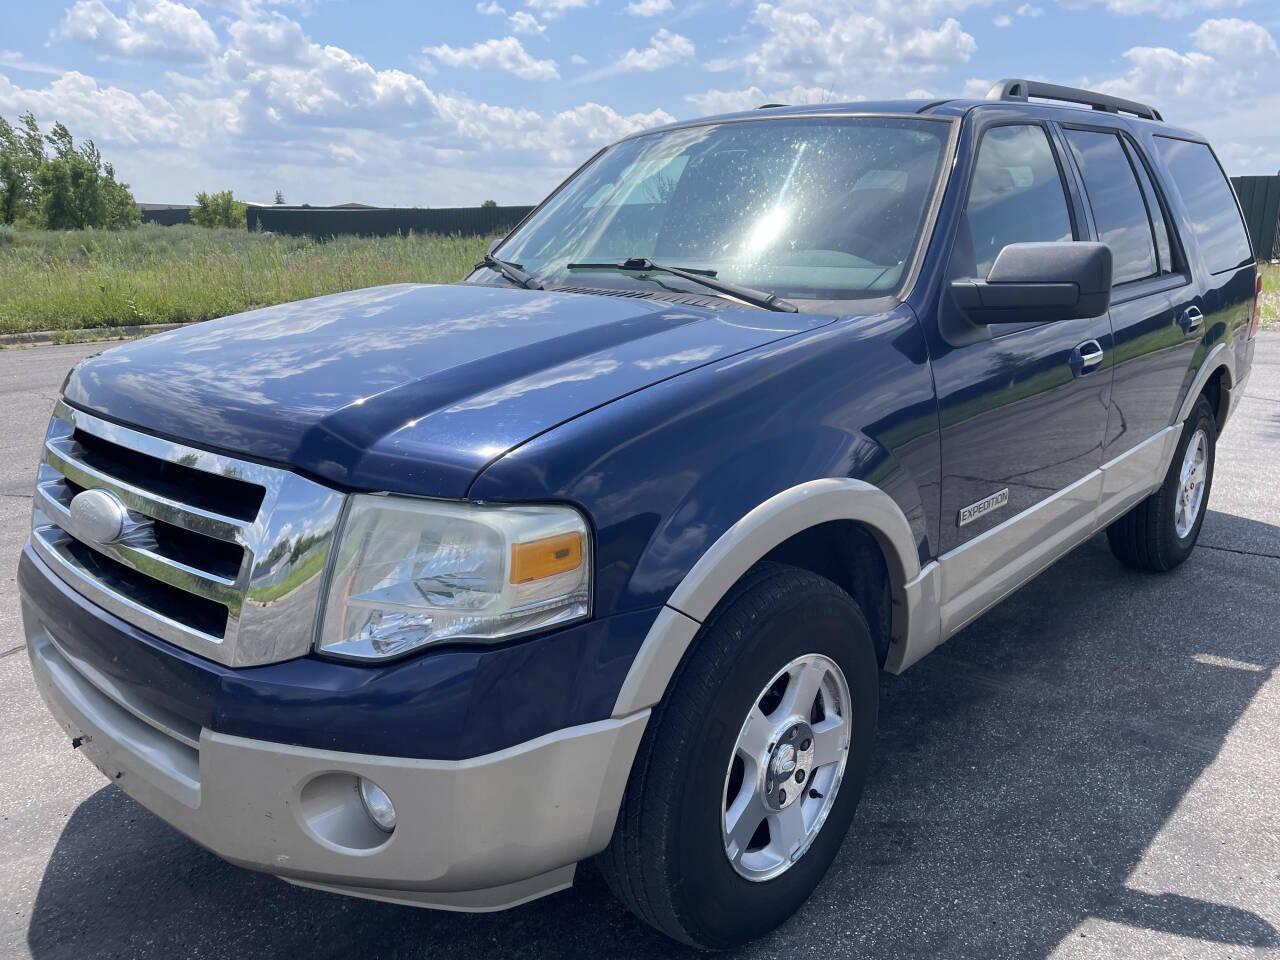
432,594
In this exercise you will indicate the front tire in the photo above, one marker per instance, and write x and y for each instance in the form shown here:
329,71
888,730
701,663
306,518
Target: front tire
751,768
1161,531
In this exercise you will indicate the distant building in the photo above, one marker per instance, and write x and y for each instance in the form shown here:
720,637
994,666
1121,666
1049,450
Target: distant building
165,214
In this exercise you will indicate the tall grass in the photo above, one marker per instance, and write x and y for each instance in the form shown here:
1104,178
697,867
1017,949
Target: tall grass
1270,295
72,280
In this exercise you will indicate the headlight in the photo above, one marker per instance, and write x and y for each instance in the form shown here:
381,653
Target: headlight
414,572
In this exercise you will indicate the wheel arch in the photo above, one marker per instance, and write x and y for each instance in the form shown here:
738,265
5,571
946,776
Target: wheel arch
1214,379
760,534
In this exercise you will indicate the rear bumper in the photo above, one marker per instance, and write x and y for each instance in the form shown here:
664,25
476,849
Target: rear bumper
481,833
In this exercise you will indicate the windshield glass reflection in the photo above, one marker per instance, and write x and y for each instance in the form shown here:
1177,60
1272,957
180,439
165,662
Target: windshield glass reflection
829,208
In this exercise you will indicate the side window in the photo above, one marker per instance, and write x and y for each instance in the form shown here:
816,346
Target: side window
1015,196
1211,206
1118,208
1170,262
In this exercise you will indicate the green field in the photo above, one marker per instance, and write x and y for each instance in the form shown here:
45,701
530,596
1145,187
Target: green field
69,281
72,280
1271,296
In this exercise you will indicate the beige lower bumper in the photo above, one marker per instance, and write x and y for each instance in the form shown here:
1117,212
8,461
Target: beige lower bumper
478,834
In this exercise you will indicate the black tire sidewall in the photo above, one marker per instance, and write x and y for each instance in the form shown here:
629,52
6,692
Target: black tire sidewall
1175,547
717,905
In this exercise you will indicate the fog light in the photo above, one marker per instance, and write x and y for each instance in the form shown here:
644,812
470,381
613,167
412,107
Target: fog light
377,805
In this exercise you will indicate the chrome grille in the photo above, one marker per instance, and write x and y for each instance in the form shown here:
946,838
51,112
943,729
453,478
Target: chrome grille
220,556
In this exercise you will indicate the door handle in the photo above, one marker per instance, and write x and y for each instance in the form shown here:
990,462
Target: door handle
1086,358
1190,320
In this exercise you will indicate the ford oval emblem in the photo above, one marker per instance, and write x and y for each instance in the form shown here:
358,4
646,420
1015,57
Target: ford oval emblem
97,515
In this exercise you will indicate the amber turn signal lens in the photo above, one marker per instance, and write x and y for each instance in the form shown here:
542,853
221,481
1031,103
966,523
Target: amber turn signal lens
546,557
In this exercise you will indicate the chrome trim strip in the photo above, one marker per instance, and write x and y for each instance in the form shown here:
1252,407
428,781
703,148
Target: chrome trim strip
175,574
161,449
152,504
271,602
87,585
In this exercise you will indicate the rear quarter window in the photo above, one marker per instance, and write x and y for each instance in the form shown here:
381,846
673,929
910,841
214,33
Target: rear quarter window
1210,204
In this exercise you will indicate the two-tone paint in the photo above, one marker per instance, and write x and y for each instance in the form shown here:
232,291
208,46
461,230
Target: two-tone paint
697,439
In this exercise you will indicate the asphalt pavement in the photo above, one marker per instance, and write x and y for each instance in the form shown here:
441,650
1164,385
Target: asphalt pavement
1089,770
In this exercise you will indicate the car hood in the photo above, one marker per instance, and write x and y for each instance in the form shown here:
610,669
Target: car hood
408,388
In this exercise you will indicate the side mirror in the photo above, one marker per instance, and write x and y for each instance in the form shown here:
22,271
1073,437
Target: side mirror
1038,283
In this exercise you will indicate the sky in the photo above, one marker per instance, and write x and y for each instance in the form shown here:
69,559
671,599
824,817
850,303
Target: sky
441,104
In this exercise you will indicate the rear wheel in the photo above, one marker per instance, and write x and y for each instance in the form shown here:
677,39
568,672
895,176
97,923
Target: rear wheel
1160,532
753,764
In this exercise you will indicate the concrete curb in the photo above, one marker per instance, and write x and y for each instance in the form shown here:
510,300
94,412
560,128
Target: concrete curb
40,338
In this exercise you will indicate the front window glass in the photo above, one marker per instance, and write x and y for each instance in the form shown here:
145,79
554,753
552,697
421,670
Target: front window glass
1015,196
808,208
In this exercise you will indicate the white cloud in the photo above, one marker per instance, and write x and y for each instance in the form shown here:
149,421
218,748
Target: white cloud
522,22
1003,20
1029,10
665,49
562,136
878,45
1223,87
1232,38
648,8
16,61
578,59
1229,59
160,29
105,114
1161,8
276,107
490,9
345,153
507,54
732,101
553,8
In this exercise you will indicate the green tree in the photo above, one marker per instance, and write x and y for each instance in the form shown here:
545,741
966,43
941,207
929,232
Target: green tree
489,203
71,189
279,197
218,210
21,154
122,209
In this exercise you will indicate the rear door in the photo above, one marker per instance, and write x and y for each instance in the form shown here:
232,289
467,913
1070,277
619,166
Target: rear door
1022,417
1217,242
1155,317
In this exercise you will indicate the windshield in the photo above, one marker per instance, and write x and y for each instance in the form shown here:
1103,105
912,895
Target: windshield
816,208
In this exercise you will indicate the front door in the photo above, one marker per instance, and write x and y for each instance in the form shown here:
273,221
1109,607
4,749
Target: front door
1023,407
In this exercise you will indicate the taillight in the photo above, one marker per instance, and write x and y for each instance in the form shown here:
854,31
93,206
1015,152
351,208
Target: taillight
1257,307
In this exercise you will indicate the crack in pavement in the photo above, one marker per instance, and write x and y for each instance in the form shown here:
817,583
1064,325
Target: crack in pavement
1244,553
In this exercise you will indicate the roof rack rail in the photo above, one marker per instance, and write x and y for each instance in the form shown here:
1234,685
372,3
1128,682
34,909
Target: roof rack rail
766,106
1024,89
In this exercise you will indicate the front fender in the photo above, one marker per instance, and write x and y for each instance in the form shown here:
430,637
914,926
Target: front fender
665,472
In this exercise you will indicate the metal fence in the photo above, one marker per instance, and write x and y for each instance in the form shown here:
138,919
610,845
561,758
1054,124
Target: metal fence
1260,201
383,221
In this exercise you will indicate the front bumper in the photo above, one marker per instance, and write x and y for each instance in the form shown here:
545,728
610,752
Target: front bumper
482,833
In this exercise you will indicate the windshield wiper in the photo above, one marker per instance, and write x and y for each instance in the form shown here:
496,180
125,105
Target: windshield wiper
511,271
707,278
